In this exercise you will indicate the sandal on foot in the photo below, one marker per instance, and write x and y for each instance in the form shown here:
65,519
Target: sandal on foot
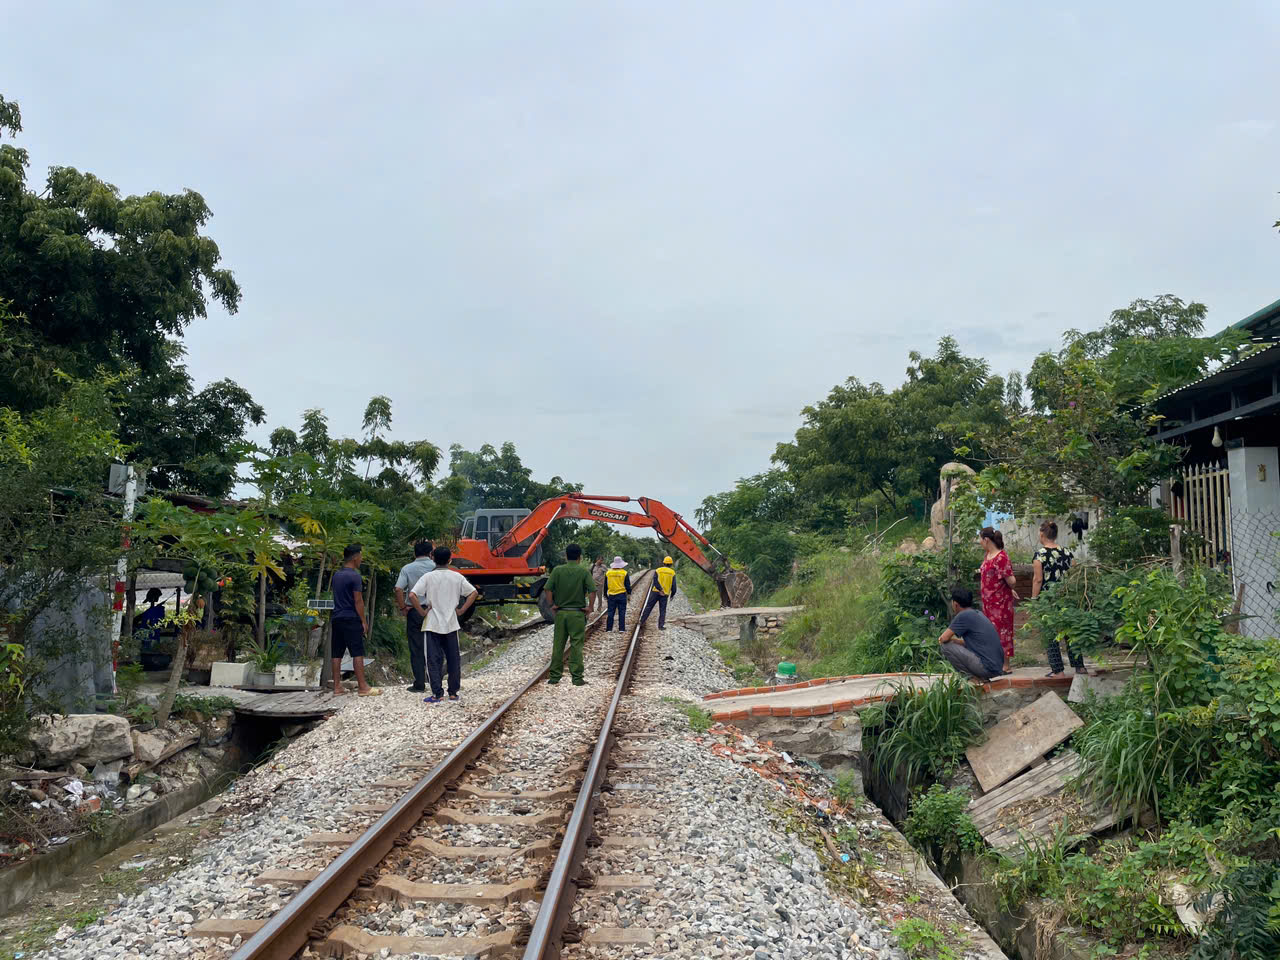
371,692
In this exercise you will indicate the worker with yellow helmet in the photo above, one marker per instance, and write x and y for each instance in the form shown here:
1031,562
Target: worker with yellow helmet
663,589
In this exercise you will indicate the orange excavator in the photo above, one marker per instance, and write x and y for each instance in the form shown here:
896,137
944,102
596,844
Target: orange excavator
501,549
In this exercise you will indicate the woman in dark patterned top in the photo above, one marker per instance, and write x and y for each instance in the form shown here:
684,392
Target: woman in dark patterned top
1050,565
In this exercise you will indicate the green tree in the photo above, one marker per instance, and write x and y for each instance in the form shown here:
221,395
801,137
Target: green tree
863,440
209,545
61,536
498,478
104,279
191,438
1087,438
108,283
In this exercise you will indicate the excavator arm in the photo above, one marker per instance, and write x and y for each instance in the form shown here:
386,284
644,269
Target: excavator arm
734,585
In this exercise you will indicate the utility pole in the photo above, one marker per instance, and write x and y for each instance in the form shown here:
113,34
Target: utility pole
122,568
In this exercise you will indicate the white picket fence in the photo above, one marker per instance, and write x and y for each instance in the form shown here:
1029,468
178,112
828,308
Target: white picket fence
1205,508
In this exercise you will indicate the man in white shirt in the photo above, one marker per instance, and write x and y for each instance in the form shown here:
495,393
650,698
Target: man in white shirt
441,589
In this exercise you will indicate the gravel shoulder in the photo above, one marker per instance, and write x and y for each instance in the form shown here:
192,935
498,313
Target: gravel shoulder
737,874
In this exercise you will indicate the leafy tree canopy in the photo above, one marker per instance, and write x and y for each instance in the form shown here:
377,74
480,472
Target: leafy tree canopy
863,439
100,282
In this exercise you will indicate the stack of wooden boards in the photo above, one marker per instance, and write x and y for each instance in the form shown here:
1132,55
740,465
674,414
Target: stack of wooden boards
1024,797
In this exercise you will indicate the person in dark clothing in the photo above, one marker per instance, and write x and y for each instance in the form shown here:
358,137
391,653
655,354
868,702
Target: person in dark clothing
348,622
410,574
971,643
145,623
617,584
664,588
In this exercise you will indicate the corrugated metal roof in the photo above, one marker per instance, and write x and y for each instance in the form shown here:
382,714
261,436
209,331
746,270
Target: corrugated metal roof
1239,366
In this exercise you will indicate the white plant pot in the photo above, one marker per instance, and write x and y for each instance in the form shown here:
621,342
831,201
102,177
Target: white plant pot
257,679
297,674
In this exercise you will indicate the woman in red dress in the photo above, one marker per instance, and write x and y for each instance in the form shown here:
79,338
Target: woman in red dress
997,588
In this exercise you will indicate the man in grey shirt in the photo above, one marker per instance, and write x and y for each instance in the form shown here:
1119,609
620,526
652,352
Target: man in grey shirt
410,573
971,643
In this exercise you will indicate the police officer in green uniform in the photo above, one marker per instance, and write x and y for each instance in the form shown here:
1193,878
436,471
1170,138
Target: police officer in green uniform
571,585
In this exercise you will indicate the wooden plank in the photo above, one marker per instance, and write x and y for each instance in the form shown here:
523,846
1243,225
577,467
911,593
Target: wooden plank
1014,742
1044,784
984,810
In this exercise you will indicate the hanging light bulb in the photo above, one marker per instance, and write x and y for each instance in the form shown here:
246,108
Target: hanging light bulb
1217,437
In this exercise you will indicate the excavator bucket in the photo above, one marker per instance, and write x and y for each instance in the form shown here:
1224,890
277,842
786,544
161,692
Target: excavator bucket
735,588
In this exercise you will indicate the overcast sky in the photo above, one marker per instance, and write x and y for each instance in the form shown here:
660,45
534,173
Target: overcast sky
636,239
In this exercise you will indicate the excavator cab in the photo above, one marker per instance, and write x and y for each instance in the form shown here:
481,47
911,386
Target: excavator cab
494,523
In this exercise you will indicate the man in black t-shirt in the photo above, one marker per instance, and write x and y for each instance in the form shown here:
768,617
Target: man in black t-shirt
971,643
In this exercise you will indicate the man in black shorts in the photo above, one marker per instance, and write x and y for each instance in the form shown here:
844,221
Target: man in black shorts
348,622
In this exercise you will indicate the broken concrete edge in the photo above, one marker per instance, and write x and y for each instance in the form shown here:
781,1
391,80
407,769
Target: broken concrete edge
1004,683
48,869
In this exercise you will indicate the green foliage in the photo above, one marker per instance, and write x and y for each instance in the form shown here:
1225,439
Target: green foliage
1248,925
745,673
1130,535
845,788
922,733
1176,625
1249,692
1087,438
267,655
699,719
921,940
1115,893
129,677
1082,609
939,821
204,706
863,439
107,284
59,532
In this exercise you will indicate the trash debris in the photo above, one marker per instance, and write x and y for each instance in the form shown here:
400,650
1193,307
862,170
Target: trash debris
75,788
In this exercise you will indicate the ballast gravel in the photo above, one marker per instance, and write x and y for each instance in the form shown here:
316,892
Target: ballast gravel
729,883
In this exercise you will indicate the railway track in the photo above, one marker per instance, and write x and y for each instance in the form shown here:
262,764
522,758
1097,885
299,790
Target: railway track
488,830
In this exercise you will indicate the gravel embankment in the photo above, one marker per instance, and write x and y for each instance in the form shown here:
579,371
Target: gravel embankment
731,882
307,788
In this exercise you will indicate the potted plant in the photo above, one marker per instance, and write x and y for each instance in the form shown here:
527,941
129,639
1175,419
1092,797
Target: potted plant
265,657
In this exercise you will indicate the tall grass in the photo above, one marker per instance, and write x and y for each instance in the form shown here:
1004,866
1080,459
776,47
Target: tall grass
923,732
840,594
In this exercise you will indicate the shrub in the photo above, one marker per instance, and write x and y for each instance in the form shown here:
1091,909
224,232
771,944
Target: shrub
921,939
1130,535
845,788
939,821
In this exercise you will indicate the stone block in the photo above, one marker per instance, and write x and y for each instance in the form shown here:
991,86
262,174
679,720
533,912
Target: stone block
147,747
88,737
223,674
1101,686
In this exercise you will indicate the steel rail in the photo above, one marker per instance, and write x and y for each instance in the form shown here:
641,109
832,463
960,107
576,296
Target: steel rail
562,886
290,928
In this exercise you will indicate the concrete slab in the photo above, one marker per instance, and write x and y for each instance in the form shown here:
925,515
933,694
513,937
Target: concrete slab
830,692
737,612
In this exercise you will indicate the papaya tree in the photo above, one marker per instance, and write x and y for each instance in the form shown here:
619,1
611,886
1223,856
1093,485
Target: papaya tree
208,545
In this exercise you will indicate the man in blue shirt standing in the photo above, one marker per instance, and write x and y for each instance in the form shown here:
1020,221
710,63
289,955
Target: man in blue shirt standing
410,574
348,622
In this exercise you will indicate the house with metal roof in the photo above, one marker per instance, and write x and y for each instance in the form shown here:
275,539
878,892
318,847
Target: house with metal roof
1228,491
